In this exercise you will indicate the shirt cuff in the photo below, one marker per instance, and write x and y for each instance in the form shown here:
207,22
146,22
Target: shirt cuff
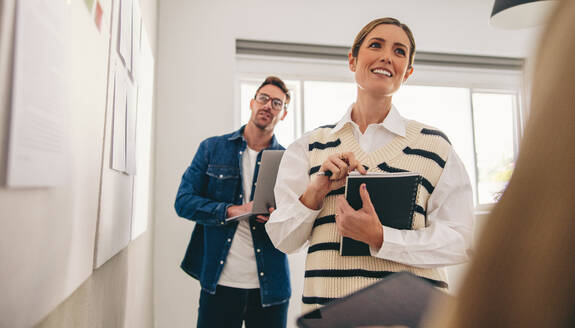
222,212
391,246
300,210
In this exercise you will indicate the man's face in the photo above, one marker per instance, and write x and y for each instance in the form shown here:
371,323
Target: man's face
265,116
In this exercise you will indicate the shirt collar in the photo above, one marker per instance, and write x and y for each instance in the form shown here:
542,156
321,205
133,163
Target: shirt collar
237,134
240,134
393,122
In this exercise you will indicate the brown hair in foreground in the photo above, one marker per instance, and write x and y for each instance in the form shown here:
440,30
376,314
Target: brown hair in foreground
523,272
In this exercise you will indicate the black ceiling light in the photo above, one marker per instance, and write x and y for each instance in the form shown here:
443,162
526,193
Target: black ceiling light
513,14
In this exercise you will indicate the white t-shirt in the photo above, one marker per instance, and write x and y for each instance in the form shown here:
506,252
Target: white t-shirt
240,269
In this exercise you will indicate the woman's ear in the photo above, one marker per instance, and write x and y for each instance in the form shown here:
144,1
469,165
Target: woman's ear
408,73
352,61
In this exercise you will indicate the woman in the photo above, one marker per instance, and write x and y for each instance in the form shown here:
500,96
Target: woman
371,137
523,269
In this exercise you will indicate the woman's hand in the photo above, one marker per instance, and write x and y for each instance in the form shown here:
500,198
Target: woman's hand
362,225
320,185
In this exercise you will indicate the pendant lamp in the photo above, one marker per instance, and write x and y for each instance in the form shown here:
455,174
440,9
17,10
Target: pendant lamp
515,14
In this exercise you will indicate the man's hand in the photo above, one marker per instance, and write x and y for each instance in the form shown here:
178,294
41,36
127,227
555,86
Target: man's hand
263,218
320,185
236,210
362,225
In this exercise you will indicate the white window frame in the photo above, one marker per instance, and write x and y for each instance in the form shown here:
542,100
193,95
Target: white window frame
250,67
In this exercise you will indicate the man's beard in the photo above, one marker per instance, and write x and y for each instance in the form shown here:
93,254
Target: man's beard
263,126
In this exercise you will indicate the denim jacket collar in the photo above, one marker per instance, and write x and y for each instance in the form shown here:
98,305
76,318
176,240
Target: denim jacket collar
240,134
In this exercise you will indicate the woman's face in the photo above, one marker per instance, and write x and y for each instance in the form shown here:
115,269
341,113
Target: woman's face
381,64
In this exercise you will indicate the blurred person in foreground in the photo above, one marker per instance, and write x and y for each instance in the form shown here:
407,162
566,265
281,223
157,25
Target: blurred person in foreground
523,274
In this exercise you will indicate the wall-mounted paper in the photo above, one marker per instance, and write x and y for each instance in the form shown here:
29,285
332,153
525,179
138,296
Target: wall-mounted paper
140,211
47,235
131,112
39,110
118,161
89,4
136,37
125,33
98,14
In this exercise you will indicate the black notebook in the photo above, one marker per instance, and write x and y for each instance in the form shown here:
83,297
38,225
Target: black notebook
393,196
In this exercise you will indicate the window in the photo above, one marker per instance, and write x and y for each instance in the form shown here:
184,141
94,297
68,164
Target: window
478,109
493,117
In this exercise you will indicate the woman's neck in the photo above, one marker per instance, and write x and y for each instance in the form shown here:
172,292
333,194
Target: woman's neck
369,110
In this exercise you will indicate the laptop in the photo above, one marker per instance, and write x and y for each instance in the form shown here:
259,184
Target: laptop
264,192
400,300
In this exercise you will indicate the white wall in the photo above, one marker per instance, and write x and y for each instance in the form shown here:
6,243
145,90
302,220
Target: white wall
195,96
46,271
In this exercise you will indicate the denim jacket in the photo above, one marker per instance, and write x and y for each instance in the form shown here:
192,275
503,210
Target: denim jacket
209,186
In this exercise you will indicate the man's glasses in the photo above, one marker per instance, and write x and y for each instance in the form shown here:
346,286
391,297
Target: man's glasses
277,104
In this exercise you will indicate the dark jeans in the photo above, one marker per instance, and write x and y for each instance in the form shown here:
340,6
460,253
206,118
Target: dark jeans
229,307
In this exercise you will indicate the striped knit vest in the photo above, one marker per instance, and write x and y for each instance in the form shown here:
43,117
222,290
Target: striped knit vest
328,275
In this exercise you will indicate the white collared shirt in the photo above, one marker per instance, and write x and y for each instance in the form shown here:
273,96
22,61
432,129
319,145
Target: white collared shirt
444,241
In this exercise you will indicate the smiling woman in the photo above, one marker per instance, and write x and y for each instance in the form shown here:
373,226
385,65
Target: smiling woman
372,136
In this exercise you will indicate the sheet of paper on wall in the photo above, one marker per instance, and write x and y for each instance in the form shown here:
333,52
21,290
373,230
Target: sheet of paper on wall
89,5
125,33
140,210
38,139
136,36
131,113
119,121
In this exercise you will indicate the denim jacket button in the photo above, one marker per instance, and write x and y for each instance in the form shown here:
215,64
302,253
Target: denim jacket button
253,227
229,240
261,274
258,250
221,262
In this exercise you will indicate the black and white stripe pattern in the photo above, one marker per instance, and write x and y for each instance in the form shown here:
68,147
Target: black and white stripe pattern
328,275
427,154
435,133
322,146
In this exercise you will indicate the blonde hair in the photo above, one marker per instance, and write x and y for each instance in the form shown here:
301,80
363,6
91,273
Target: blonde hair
522,273
360,37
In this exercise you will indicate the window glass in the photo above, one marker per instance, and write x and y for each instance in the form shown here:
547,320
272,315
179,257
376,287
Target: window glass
445,108
480,125
494,143
326,102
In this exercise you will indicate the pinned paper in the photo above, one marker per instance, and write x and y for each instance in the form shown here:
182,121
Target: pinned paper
89,4
98,16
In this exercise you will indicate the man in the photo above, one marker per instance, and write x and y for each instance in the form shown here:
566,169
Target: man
243,276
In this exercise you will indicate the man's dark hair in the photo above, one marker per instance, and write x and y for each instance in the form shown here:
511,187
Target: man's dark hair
274,80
